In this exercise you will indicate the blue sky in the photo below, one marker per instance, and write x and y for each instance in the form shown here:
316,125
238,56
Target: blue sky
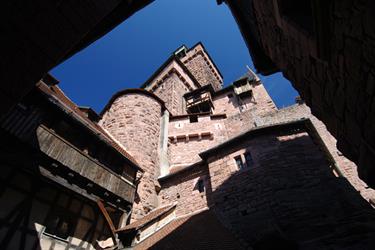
130,53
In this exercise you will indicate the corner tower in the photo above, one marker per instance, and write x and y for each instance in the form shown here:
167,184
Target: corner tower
133,118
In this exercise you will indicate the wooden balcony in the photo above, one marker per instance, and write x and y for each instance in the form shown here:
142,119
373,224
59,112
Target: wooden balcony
199,103
82,164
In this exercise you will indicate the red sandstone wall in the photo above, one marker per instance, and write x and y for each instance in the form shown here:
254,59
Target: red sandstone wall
338,87
134,120
289,192
347,167
225,104
243,118
185,152
184,186
263,101
171,91
203,69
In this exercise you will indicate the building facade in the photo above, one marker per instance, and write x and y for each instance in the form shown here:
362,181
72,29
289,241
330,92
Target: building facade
65,182
326,50
180,163
230,153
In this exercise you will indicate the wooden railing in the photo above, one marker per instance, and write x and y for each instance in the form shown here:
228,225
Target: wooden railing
80,163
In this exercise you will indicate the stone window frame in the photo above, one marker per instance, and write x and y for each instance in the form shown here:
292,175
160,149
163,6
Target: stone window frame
245,165
316,42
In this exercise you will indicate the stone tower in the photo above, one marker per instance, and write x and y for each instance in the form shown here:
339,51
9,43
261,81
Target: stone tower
201,144
133,117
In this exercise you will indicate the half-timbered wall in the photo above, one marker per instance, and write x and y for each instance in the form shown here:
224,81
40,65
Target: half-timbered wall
36,214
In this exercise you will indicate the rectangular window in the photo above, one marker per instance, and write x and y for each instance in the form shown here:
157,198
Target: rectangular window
239,162
193,118
248,159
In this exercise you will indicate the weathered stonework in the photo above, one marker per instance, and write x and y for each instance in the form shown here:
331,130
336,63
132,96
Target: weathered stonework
183,189
187,140
271,194
346,167
331,65
202,67
247,161
134,120
171,91
228,103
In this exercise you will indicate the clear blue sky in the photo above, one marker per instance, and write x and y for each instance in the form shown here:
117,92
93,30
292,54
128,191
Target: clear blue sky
130,53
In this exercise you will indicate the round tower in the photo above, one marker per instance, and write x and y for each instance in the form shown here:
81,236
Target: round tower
133,118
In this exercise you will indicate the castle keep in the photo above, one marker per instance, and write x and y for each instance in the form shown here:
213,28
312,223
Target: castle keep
180,163
228,149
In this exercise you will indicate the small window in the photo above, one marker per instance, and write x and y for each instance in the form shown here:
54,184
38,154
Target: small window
248,159
201,187
239,162
246,94
193,118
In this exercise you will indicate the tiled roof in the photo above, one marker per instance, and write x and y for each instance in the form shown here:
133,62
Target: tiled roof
201,231
72,108
148,218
